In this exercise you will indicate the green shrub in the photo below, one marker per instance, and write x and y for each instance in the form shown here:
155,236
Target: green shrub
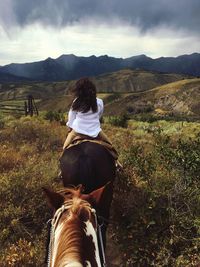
22,253
148,117
55,116
2,122
112,97
119,121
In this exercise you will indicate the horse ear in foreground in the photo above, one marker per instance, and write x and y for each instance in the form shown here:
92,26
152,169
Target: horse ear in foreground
73,241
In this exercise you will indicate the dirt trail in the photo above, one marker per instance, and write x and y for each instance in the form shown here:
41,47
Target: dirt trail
113,254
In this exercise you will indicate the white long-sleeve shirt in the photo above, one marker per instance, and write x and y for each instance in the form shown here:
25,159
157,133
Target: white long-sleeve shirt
87,123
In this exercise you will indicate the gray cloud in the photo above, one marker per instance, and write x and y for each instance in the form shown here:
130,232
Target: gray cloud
145,14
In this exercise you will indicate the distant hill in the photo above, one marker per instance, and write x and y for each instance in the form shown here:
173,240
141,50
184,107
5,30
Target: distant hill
185,64
129,80
180,98
7,78
125,91
70,67
177,98
124,81
38,90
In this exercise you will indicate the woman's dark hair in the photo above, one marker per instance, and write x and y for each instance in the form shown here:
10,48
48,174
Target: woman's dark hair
85,93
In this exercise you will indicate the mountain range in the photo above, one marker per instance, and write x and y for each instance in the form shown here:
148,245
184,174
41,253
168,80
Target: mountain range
70,67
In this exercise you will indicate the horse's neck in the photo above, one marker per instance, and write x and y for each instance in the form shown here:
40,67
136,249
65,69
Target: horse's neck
67,245
68,250
90,232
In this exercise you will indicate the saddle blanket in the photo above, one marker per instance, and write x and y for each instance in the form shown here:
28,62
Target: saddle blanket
80,138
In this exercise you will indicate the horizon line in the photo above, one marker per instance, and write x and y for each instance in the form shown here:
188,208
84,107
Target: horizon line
71,54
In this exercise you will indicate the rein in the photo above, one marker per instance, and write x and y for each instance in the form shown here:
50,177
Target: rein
49,247
99,226
54,221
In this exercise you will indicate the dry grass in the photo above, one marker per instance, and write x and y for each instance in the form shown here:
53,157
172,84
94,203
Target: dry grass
154,196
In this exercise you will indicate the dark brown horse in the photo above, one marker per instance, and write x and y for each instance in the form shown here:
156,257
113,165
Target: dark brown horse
91,165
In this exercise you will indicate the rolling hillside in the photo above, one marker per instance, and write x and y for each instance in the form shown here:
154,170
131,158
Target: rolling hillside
177,98
38,90
129,80
125,91
172,96
6,78
121,81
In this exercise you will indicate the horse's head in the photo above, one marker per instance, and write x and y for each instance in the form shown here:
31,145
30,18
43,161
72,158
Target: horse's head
74,225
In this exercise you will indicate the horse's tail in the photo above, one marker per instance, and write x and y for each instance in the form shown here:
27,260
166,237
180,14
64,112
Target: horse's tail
86,173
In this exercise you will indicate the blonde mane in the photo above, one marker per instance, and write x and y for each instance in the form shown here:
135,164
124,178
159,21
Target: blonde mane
69,230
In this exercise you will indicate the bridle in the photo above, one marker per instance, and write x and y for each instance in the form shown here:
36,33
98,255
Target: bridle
99,232
54,222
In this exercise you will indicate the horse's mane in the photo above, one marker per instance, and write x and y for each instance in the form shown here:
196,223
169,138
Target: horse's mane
71,227
73,201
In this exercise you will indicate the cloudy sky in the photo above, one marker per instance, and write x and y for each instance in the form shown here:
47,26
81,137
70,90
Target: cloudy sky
32,30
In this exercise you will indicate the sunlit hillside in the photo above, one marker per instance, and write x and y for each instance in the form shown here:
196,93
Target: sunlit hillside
177,98
126,91
130,80
123,81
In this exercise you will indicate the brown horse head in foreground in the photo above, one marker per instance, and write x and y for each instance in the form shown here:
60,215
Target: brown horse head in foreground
73,241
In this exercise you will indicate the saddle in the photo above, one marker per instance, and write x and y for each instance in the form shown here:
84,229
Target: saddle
81,138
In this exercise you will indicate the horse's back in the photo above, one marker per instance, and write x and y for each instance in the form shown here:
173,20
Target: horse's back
89,164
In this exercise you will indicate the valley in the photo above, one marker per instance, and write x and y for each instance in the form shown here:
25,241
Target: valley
130,92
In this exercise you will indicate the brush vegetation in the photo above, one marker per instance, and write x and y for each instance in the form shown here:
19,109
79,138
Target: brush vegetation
157,195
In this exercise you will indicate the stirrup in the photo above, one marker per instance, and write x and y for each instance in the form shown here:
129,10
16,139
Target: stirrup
118,165
60,175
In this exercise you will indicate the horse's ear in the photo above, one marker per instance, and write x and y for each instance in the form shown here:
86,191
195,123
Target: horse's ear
80,188
55,200
102,196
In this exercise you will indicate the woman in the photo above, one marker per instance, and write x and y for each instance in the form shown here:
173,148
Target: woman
85,113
